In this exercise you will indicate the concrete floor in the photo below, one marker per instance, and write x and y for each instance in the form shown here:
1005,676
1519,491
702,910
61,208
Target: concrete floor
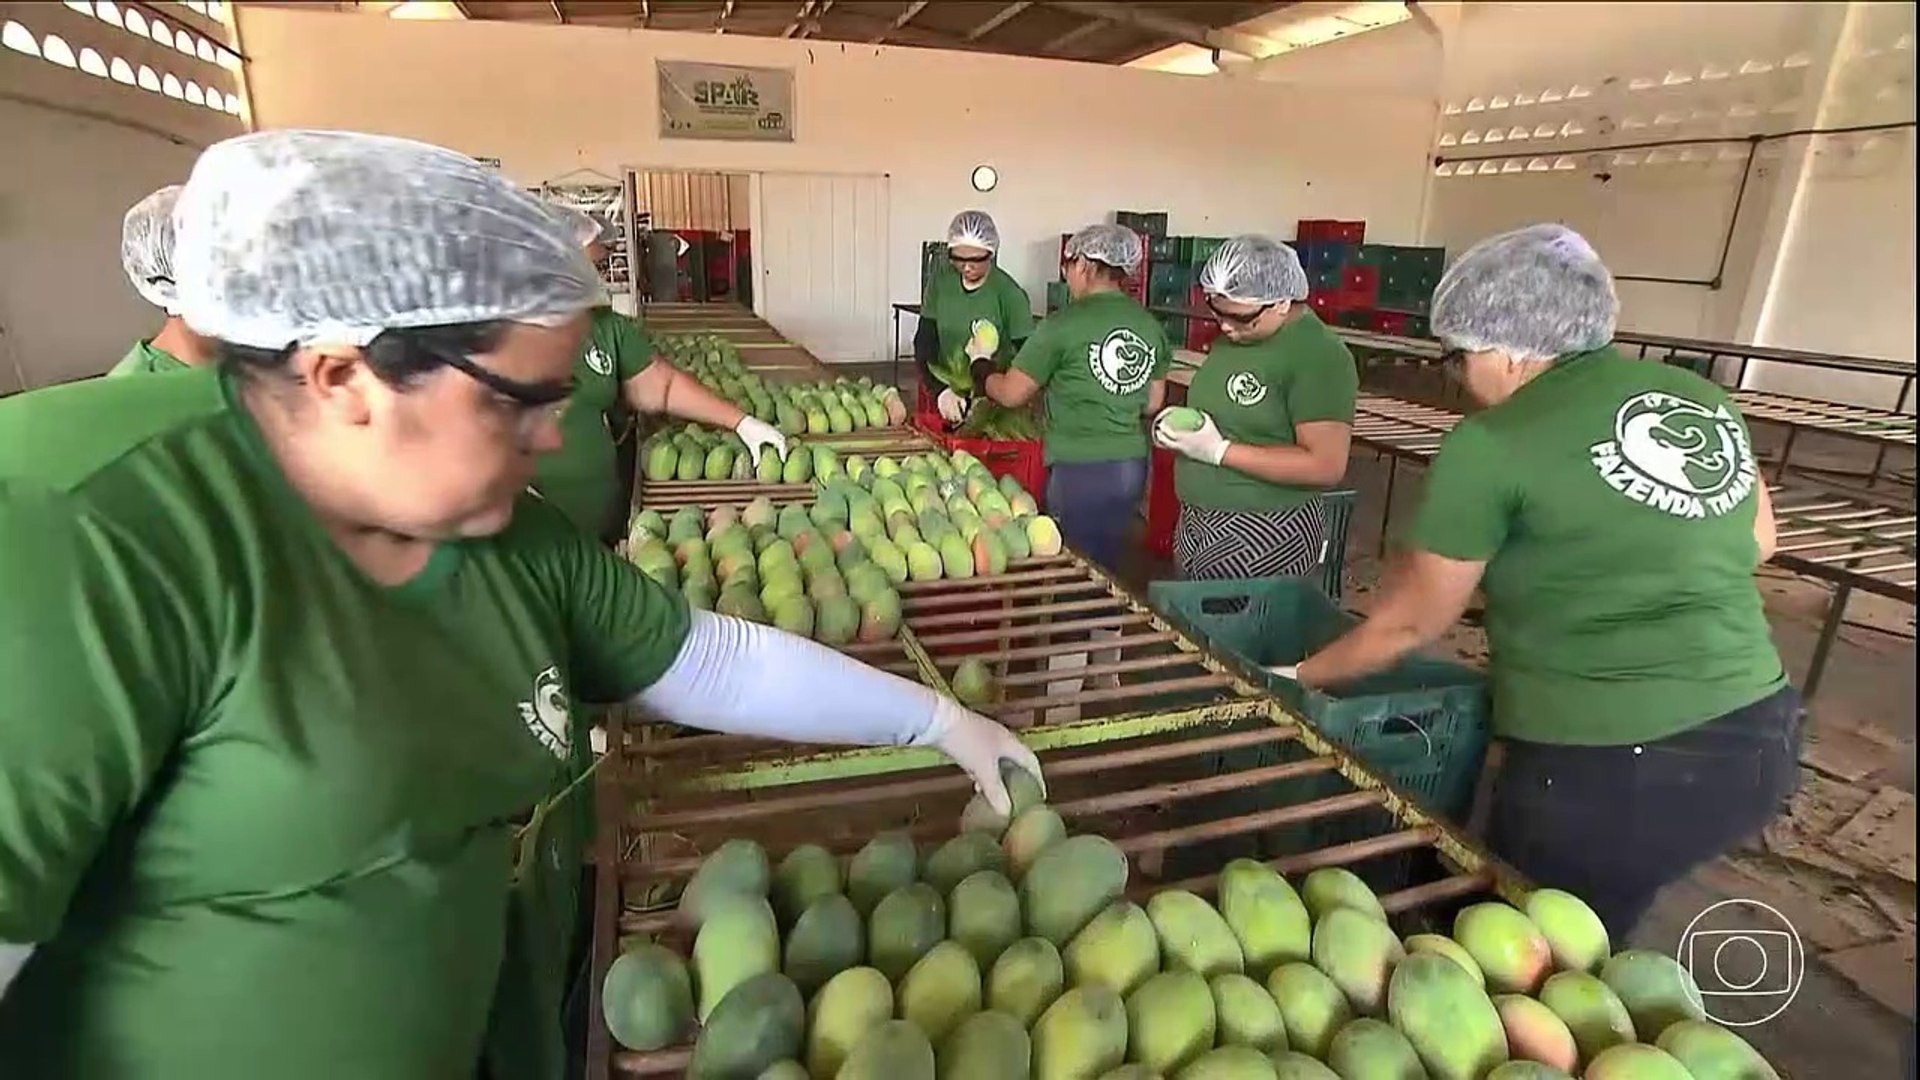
1831,1028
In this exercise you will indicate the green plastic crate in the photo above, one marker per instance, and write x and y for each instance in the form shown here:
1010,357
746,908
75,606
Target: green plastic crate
1423,723
1057,296
1175,326
1196,250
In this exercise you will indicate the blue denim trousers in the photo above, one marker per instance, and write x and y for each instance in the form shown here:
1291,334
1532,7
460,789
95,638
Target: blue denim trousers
1095,503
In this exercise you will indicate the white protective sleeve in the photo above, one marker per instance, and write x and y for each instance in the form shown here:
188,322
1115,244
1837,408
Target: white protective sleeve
12,959
741,678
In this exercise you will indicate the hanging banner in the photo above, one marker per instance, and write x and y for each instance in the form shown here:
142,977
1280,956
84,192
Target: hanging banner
606,202
721,101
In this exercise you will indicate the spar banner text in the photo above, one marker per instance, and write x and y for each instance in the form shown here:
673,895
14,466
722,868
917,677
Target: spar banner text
720,101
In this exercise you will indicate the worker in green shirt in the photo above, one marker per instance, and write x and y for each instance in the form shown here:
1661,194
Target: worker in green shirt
1612,513
971,308
1102,360
146,252
618,368
1276,395
290,656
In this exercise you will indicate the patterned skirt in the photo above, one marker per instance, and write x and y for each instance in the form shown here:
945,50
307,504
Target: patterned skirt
1216,544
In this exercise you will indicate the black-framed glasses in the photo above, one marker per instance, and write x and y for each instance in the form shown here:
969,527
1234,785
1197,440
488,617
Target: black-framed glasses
969,260
1247,319
532,402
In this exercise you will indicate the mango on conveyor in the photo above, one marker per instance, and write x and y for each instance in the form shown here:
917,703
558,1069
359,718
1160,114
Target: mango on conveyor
1375,1050
1590,1009
1266,916
1193,935
1711,1052
1229,1063
896,1050
736,868
738,941
1506,945
1312,1007
1574,934
1293,1065
906,925
647,998
1358,953
889,861
1245,1014
1081,1036
1445,1015
983,916
1026,979
1118,949
1535,1033
825,940
1030,835
1335,886
940,990
1635,1061
961,857
1069,883
759,1022
1449,948
850,1005
1656,990
985,1046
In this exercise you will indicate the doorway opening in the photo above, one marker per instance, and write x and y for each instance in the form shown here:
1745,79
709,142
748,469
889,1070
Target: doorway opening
694,237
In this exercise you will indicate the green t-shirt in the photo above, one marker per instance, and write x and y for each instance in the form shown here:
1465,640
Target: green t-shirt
999,300
255,807
1612,501
1256,393
144,359
582,478
1096,357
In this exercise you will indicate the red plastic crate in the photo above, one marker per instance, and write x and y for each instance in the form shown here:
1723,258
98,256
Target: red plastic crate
1363,281
926,411
1392,322
1163,504
1197,298
1201,333
1325,230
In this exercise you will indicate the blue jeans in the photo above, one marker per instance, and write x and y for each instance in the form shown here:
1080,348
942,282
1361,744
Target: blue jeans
1095,503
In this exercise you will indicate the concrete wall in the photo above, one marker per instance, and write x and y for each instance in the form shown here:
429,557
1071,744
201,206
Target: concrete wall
1072,142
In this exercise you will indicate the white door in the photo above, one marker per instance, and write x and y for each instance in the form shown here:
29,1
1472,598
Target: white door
820,242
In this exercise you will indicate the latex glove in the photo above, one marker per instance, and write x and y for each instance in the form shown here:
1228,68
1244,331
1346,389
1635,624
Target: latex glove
758,434
978,350
1203,444
978,745
953,407
1286,671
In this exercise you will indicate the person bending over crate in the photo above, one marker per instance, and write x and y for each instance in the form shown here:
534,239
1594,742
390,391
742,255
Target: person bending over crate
291,655
617,368
1612,513
1267,425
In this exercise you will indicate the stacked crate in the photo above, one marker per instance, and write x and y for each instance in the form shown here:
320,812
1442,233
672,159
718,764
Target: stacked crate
1379,287
1176,287
933,254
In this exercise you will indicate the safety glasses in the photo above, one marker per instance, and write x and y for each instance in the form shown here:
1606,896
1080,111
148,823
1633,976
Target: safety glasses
530,402
969,260
1233,319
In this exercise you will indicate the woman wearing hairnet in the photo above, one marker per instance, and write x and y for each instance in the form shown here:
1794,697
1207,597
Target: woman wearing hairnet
288,652
971,306
1276,401
146,253
1611,512
618,367
1102,360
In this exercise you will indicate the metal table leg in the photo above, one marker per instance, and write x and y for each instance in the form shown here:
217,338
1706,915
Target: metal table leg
1386,507
1830,629
893,379
1786,450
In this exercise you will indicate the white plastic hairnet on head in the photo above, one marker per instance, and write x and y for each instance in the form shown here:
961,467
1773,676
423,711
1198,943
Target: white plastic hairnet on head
1255,270
973,228
1534,293
584,226
146,247
303,237
1115,245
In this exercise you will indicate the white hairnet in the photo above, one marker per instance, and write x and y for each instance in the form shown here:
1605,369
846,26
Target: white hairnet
1115,245
973,228
584,226
1255,270
146,247
299,237
1534,293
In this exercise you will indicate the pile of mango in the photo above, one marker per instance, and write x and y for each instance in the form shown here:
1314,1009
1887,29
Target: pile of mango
1011,952
820,407
694,452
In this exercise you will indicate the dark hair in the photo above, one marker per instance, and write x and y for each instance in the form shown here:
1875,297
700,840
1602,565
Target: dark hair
1107,271
399,357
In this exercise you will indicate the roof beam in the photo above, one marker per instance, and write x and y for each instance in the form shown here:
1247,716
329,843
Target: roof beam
901,22
806,9
646,14
1192,33
998,20
1058,44
726,12
814,23
559,13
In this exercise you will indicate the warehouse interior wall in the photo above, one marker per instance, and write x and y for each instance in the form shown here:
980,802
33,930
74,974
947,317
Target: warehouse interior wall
80,149
1071,142
1821,256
